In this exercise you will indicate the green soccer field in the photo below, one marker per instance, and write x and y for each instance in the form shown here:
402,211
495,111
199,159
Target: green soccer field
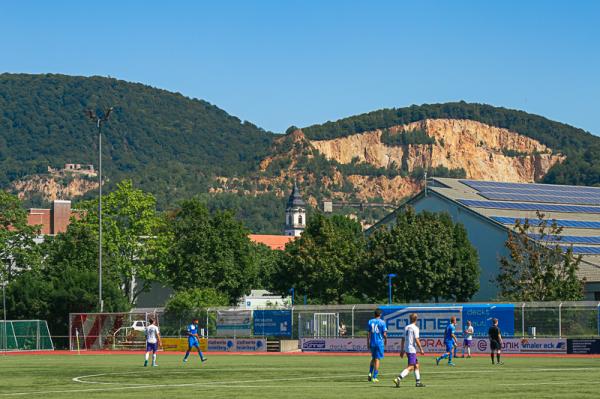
230,376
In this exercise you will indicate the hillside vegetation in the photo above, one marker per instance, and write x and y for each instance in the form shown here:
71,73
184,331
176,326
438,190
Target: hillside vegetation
176,147
168,144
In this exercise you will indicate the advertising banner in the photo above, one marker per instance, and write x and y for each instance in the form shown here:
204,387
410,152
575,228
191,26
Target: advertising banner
434,319
436,345
232,323
273,323
583,346
181,344
237,345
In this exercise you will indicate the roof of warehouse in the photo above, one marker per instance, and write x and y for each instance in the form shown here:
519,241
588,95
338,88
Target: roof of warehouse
575,207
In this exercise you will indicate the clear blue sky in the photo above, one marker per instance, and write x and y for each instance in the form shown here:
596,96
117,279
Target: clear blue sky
278,63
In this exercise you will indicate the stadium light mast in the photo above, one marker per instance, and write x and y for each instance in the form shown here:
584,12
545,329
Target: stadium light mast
390,277
4,338
99,120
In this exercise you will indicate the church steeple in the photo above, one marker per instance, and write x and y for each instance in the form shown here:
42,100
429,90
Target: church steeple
295,213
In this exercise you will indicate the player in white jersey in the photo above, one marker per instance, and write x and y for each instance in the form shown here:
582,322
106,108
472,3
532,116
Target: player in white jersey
152,342
468,334
410,343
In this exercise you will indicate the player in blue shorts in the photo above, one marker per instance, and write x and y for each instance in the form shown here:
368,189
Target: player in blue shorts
193,340
376,341
450,341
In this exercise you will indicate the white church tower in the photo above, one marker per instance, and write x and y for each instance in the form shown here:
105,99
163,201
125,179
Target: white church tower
295,214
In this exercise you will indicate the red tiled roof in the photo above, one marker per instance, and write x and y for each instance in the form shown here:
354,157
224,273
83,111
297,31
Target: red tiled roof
272,241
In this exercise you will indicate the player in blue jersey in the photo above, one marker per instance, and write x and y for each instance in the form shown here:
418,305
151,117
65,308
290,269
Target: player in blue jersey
376,341
450,342
193,340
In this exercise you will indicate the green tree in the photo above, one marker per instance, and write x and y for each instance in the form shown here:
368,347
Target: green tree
323,262
430,255
210,251
65,282
538,268
135,237
18,250
192,299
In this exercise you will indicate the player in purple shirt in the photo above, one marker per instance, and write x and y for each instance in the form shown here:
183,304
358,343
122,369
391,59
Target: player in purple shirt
376,341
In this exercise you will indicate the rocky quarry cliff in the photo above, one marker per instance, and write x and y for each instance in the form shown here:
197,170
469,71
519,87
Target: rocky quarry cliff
467,148
484,152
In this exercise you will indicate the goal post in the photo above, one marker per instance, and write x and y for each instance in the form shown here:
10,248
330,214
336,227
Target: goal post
25,335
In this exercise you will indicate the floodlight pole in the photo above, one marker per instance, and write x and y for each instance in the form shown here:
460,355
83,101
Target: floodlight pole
4,344
390,277
99,120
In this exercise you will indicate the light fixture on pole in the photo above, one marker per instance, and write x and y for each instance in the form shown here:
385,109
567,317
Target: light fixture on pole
390,277
292,290
99,120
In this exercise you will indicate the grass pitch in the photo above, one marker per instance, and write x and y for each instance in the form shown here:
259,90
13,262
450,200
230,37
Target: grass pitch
256,376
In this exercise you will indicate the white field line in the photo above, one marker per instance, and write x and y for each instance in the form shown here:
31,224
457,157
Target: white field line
237,384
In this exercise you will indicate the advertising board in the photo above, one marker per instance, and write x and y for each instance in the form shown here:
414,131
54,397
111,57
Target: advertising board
434,319
273,323
436,345
234,323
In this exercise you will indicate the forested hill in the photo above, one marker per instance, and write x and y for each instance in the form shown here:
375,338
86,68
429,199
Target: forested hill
168,144
582,148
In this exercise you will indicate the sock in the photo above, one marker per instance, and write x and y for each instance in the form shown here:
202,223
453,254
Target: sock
147,356
154,358
187,354
417,375
375,373
445,355
492,355
404,373
371,370
469,351
498,357
450,357
201,355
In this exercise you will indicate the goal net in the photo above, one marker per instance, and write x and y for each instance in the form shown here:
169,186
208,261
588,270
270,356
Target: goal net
25,335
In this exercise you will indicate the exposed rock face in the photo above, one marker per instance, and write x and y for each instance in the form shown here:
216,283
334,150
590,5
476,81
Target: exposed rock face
479,149
53,187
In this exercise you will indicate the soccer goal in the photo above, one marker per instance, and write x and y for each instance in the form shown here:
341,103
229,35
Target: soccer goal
115,331
25,335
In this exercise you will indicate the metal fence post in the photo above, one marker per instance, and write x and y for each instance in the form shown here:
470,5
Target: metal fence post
598,316
523,320
207,313
560,320
353,307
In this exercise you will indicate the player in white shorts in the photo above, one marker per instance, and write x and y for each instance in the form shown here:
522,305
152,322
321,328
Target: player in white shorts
152,342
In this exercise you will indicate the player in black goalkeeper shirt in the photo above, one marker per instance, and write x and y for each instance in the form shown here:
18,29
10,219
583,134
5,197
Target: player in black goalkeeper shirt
495,341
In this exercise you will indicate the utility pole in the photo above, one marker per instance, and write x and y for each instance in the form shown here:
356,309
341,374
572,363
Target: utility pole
99,120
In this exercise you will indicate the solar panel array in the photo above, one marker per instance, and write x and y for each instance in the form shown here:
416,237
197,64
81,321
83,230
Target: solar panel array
536,192
560,222
583,250
530,206
568,239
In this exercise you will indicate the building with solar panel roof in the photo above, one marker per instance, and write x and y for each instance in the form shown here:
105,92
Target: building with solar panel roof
489,210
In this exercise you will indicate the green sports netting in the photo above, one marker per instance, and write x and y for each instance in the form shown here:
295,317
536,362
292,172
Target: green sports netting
25,335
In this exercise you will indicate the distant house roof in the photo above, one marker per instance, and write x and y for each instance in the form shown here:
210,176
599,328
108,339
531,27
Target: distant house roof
272,241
